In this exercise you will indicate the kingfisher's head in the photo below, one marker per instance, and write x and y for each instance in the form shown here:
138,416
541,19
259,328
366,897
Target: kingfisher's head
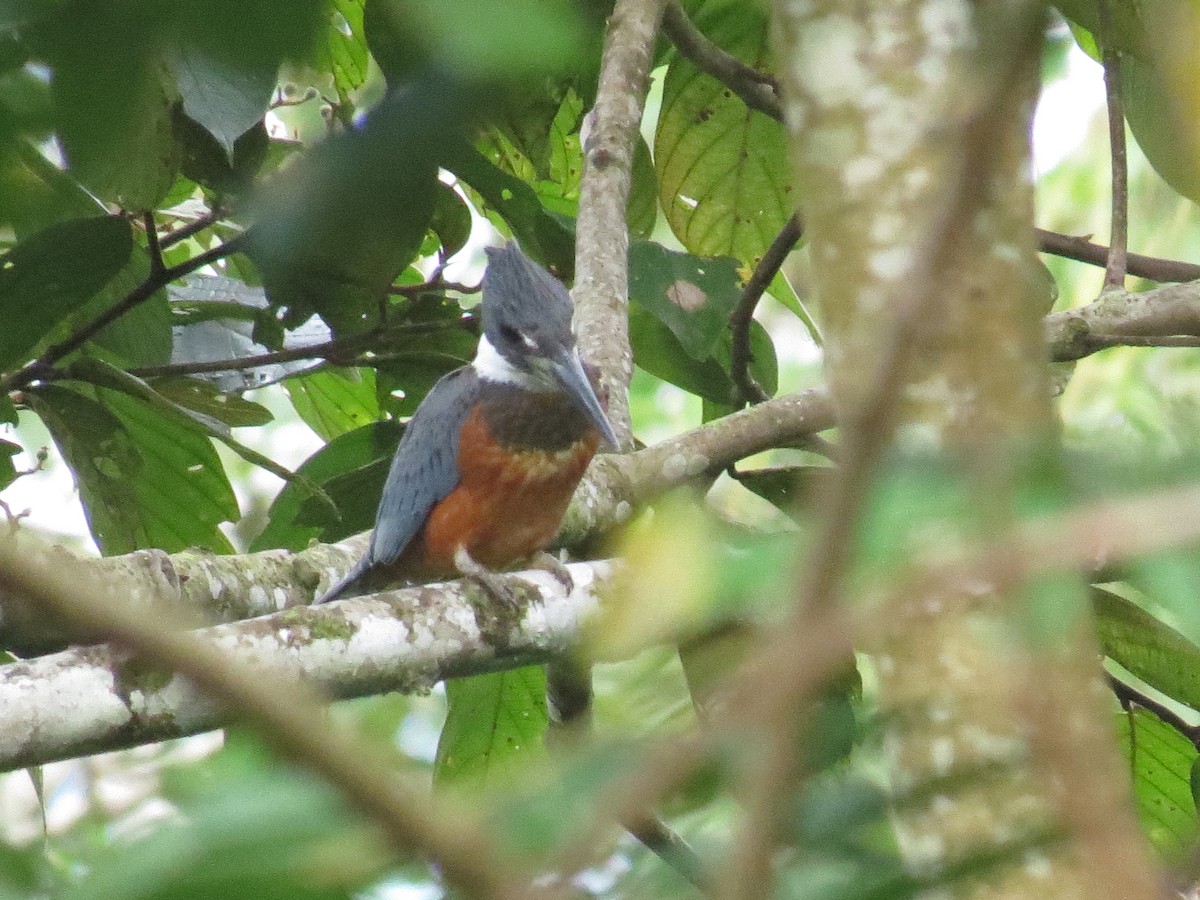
527,338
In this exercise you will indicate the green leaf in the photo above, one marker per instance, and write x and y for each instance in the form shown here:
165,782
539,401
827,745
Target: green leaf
8,471
543,236
369,446
451,220
334,230
8,412
1161,106
723,174
49,275
266,832
142,336
782,291
145,479
344,51
335,401
1161,760
203,397
207,163
493,723
226,99
691,296
787,487
113,110
642,212
1147,647
659,352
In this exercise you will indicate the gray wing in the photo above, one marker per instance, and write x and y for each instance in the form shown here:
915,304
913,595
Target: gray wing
425,468
423,472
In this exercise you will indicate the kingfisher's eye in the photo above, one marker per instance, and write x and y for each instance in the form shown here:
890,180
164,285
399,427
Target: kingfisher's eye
510,334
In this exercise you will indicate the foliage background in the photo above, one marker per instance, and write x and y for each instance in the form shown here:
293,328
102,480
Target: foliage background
172,128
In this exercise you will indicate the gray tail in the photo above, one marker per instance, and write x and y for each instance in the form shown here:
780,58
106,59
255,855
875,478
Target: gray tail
341,587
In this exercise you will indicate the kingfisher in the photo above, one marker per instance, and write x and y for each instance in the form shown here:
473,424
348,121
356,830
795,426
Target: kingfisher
487,465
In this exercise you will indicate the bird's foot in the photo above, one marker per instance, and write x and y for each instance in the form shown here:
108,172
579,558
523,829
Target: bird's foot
491,583
548,562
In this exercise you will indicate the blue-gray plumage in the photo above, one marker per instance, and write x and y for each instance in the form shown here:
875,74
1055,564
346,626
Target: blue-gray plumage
424,471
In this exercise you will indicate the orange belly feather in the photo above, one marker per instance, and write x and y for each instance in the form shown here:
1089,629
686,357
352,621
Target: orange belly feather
507,506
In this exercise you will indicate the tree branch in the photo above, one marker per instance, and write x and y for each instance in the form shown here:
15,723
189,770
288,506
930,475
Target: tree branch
1081,249
229,588
1115,264
150,285
739,320
118,692
601,291
1166,316
756,89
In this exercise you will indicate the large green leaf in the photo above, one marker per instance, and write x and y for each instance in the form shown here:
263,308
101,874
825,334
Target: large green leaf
205,398
492,722
723,174
543,236
146,480
691,296
334,230
366,447
226,100
1147,647
112,103
1160,760
344,50
51,274
142,336
335,401
658,351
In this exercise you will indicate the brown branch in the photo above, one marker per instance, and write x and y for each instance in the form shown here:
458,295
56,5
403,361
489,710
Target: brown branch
192,228
739,320
756,89
297,728
1168,316
339,351
601,291
153,249
149,286
1081,249
1115,264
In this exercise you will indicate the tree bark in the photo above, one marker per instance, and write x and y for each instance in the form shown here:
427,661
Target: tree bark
910,123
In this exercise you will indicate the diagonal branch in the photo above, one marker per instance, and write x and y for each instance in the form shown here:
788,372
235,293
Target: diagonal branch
756,89
297,727
739,320
150,285
1082,250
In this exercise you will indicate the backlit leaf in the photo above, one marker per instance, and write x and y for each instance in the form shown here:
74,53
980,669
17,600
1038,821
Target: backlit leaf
724,181
492,722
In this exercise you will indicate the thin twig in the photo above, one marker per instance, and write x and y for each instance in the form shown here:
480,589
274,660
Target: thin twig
1082,250
1115,265
149,286
153,248
433,284
194,227
749,389
756,89
340,351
